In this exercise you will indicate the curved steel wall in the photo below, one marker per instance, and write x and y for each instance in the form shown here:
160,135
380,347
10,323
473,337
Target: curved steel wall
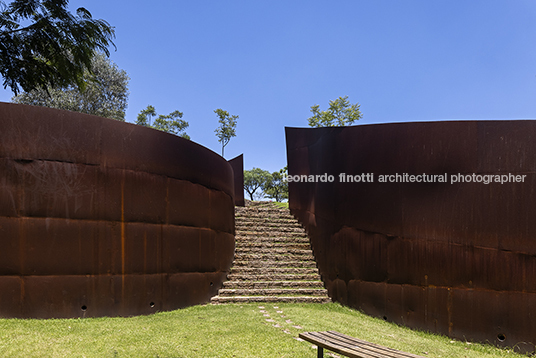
457,259
105,218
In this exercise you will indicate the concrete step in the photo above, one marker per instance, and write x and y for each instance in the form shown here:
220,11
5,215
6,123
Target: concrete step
270,233
274,250
265,255
270,229
273,270
292,299
269,238
260,245
265,214
273,284
274,264
275,256
287,224
273,277
242,242
272,292
291,223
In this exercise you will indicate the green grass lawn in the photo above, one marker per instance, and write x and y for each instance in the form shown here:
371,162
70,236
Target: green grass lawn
232,330
281,205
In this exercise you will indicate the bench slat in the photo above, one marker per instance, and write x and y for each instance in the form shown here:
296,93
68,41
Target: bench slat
322,342
352,347
385,351
362,347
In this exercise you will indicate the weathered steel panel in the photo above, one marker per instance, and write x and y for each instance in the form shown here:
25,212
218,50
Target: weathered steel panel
100,217
454,257
45,240
12,296
186,289
237,163
218,204
195,204
11,250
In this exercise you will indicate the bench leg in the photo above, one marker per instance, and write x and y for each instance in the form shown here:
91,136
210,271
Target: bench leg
320,352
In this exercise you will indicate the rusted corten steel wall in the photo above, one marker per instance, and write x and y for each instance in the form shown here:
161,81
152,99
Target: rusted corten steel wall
237,163
458,259
104,218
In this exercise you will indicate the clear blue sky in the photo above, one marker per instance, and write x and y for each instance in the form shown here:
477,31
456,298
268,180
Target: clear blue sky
270,61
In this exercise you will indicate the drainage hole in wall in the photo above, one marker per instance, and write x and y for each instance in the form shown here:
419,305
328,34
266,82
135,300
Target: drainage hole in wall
84,307
211,284
385,318
151,304
501,337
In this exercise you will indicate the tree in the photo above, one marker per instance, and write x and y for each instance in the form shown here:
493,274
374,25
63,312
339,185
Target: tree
255,179
43,45
227,128
170,123
339,113
277,187
105,93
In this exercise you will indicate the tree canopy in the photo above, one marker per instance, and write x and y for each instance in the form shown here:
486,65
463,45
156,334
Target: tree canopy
105,94
340,113
254,180
170,123
277,186
227,128
43,45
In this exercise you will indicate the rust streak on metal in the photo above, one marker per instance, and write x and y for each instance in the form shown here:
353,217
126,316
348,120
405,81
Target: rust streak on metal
123,236
449,310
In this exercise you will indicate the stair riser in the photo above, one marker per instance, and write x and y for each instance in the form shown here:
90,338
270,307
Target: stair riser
272,292
269,224
269,234
270,240
277,228
274,277
260,218
274,264
274,270
259,247
273,258
272,284
244,299
275,251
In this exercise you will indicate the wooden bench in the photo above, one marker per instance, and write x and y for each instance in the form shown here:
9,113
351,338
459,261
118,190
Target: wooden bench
350,346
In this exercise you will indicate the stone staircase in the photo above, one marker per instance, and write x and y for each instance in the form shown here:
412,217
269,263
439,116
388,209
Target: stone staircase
273,259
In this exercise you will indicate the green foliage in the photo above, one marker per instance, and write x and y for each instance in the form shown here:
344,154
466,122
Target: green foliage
43,45
170,123
144,117
105,93
227,128
254,180
340,113
277,187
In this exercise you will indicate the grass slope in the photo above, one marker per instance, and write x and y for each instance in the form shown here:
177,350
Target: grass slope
281,205
232,330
